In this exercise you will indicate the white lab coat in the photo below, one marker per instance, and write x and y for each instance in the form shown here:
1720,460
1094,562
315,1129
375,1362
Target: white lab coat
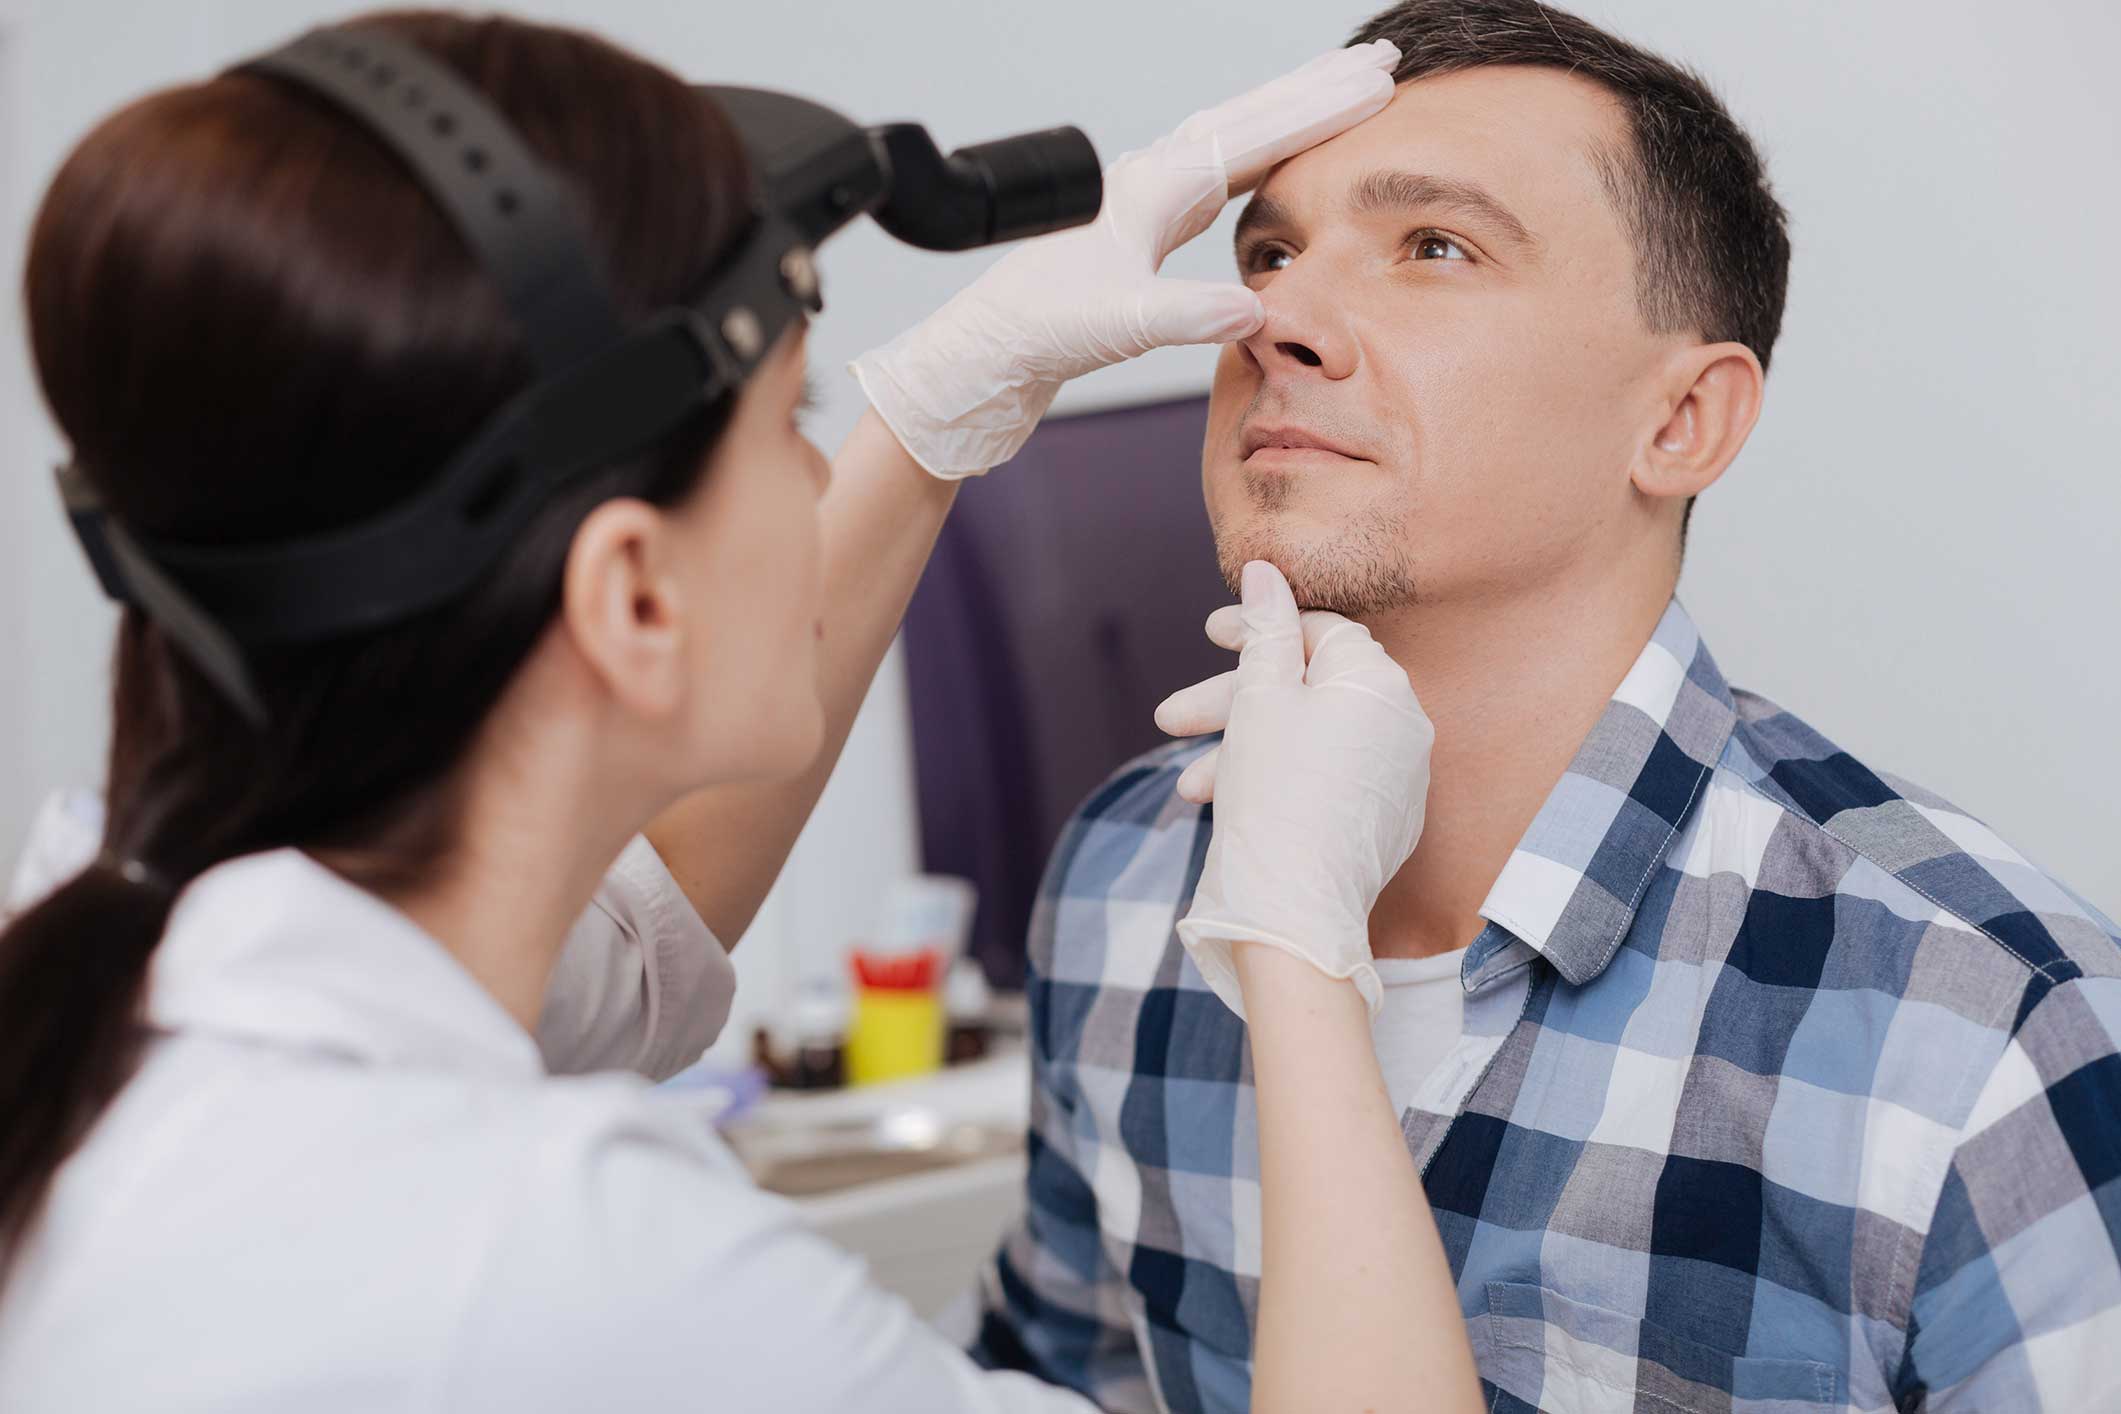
343,1180
642,984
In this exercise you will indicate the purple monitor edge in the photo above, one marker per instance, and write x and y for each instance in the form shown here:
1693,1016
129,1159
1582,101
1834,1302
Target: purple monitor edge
1065,600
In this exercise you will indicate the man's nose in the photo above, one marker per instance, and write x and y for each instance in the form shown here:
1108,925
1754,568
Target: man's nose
1306,334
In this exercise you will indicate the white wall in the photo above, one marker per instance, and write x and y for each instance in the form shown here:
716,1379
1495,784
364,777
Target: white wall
1916,551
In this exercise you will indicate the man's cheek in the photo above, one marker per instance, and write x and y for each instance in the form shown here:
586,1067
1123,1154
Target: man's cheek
1219,441
1222,492
1221,467
1236,380
1231,368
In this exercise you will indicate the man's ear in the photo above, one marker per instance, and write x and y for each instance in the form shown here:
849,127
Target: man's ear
620,605
1711,399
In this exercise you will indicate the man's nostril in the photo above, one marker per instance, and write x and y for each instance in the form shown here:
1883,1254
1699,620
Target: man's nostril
1301,354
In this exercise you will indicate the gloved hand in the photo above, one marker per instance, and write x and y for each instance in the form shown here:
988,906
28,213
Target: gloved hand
1319,788
963,389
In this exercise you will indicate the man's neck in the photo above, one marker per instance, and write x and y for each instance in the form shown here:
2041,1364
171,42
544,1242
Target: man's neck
1514,687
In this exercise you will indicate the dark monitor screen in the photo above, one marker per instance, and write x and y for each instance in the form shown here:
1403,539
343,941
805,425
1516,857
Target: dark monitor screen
1065,600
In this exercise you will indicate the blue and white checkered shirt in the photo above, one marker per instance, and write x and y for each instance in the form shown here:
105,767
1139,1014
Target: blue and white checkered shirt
1784,1085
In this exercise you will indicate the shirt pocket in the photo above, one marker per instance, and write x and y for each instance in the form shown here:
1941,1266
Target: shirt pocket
1557,1354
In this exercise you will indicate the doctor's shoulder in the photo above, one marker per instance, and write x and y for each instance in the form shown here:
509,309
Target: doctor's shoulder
635,1262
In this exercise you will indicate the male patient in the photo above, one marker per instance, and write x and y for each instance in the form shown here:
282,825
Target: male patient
1740,1075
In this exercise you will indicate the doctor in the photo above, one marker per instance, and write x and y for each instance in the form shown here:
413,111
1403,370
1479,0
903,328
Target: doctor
490,631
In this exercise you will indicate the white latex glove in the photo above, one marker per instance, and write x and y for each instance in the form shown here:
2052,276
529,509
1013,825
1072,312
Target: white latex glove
1319,787
963,389
1205,707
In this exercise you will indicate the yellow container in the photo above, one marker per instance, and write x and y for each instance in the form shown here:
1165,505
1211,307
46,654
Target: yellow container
896,1033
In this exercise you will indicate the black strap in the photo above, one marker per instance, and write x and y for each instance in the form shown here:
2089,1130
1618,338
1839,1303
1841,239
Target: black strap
130,576
427,549
520,222
603,392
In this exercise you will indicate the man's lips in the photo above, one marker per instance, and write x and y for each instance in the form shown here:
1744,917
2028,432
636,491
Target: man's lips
1288,436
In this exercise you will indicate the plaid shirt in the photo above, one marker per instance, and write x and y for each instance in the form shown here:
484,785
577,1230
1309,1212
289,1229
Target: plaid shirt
1784,1085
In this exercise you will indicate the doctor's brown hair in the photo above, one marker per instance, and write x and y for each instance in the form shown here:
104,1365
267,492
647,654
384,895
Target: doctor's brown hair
251,322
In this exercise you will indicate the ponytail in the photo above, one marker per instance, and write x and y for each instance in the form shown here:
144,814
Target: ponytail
73,970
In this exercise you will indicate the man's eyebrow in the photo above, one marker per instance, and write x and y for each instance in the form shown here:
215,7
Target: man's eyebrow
1259,211
1381,193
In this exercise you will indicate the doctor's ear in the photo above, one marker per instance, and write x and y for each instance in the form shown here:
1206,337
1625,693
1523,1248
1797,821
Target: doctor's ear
1710,401
619,602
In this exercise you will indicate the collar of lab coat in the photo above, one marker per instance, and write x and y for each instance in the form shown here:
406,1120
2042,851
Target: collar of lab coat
275,949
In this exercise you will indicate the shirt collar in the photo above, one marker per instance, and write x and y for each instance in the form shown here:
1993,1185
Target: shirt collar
276,949
1573,883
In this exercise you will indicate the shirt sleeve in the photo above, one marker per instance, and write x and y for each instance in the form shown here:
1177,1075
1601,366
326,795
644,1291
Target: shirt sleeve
642,983
1051,1299
647,1272
2017,1301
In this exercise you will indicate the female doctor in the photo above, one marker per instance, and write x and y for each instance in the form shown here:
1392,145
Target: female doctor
274,1130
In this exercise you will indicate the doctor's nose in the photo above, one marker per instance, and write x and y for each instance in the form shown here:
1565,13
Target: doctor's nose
1306,334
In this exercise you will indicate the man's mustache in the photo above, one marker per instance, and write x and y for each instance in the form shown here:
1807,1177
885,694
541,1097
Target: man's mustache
1313,421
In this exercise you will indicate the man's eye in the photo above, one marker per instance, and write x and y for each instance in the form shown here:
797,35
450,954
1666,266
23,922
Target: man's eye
1434,245
1259,261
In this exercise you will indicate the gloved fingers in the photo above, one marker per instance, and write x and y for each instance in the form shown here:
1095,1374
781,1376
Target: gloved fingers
1226,627
1170,192
1334,646
1199,709
1319,624
1196,312
1330,72
1345,656
1272,123
1196,784
1274,639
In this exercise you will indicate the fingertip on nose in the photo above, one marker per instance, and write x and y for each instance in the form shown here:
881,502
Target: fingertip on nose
1247,316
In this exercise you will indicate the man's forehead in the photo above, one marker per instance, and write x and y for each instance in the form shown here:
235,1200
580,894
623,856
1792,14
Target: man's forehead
1525,133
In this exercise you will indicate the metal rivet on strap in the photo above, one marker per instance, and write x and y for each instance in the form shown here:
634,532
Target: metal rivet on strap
740,328
799,273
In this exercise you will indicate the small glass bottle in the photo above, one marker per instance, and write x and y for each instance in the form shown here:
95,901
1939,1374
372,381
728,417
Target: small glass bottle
966,999
820,1030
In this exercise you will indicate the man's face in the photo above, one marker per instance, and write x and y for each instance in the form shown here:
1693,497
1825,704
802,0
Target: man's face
1451,310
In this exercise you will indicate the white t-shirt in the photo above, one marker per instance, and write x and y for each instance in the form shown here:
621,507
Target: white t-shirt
1423,1016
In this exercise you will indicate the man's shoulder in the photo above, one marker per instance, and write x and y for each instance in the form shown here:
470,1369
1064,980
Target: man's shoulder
1132,843
1135,805
1852,828
1145,790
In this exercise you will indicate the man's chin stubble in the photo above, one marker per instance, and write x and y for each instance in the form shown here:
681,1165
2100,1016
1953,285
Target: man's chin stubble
1363,572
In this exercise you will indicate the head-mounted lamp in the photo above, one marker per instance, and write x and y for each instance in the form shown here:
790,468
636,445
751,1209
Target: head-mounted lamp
604,388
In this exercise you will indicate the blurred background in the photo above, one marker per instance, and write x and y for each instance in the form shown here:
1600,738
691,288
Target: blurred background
1917,551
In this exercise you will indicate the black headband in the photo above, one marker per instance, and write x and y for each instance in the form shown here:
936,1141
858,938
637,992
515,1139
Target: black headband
604,391
605,388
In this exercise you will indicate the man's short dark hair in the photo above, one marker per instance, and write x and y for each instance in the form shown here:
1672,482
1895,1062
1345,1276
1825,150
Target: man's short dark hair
1713,249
